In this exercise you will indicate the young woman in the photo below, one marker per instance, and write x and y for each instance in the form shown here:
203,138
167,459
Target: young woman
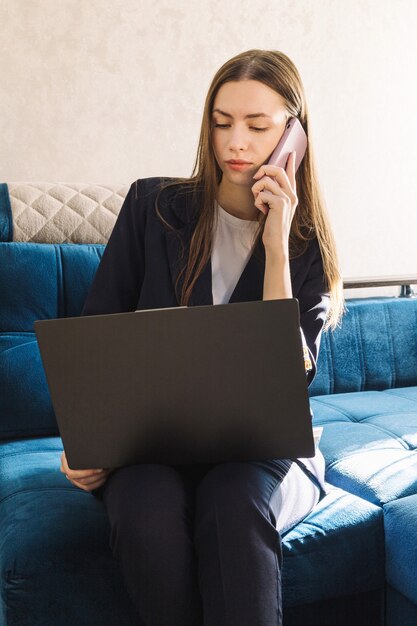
201,544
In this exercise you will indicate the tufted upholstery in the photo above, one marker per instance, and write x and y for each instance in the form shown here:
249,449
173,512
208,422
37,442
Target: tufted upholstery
60,212
369,441
375,349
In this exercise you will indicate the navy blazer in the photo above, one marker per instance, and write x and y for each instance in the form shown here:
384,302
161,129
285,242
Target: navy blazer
141,262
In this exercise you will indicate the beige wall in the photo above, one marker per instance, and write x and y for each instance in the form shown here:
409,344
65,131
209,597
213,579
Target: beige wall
113,90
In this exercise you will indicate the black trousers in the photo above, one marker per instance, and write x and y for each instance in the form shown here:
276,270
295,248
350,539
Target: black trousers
197,544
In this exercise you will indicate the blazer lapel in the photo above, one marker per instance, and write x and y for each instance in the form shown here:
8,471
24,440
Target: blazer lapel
185,212
251,281
202,291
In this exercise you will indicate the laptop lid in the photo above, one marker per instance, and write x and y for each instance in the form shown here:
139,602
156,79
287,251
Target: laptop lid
201,384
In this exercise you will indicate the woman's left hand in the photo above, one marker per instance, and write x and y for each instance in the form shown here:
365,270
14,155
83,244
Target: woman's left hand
279,205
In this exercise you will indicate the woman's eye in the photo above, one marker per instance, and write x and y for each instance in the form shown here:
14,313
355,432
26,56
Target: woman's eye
252,127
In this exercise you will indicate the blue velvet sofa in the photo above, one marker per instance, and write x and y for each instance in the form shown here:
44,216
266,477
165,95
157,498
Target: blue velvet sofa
365,397
351,561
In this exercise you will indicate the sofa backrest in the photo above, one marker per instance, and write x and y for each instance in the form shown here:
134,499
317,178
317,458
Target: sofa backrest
52,237
37,281
375,348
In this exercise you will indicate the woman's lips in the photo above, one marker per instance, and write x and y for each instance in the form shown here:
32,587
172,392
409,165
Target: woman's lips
240,167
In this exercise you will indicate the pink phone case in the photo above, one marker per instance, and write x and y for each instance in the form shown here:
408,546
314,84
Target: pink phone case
294,138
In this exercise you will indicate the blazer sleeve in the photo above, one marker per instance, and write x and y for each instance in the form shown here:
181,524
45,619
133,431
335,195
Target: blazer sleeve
117,282
314,301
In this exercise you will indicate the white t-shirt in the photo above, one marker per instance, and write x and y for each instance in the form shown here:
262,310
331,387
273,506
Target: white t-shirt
231,251
232,248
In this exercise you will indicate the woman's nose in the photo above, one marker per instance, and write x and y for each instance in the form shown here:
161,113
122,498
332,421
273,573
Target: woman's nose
237,141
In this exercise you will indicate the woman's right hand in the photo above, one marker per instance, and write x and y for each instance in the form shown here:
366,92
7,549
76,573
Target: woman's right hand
84,479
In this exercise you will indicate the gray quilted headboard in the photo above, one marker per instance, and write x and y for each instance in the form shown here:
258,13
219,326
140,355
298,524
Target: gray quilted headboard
59,212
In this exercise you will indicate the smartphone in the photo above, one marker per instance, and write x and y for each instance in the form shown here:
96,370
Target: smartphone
293,138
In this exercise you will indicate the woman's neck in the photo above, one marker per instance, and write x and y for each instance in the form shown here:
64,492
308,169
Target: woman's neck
236,200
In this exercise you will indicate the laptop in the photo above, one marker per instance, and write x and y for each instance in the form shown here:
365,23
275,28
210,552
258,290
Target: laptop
181,385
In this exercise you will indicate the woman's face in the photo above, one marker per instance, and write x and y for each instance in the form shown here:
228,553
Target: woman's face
248,120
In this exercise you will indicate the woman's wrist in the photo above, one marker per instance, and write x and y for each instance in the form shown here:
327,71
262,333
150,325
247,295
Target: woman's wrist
277,279
277,254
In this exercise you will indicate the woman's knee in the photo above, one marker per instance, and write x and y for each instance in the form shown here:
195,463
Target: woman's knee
143,502
229,487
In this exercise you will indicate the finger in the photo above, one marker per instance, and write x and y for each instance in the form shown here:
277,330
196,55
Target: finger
77,474
83,473
263,202
279,174
264,208
88,481
79,485
266,183
271,190
271,201
88,487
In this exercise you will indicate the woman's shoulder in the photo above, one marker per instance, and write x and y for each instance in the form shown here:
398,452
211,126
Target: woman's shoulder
313,248
145,187
171,195
153,184
309,251
308,264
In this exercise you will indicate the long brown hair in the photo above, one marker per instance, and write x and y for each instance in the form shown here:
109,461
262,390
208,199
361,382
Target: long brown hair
277,71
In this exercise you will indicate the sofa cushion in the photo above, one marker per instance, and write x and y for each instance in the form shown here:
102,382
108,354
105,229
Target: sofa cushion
369,441
54,537
375,348
329,545
400,521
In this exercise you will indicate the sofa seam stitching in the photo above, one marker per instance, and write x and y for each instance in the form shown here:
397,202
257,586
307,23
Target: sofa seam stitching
391,347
